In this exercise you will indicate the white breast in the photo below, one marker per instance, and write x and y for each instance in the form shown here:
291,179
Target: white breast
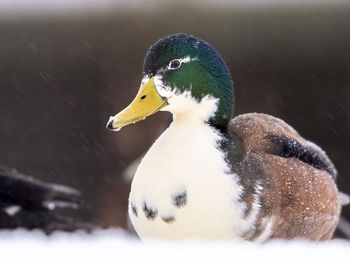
185,158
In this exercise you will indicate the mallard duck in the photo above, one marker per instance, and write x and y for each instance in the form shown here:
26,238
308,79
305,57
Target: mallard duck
213,177
26,202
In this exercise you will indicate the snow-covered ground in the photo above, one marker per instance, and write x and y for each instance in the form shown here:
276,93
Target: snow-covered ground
117,246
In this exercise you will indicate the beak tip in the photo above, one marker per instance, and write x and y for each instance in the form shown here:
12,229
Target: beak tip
109,125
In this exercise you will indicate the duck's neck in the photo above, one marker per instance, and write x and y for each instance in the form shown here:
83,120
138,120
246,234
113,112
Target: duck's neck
193,130
185,148
184,107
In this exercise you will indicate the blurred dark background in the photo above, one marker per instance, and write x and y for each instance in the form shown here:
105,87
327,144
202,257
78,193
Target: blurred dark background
62,76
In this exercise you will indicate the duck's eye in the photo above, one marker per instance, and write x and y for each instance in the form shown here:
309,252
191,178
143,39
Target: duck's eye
174,64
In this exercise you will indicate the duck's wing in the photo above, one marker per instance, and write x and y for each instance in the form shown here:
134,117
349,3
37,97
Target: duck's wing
265,133
288,182
30,193
46,220
26,202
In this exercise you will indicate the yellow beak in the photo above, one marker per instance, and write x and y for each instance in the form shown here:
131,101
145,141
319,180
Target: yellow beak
147,102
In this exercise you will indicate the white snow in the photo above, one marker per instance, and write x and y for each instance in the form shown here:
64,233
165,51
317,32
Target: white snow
117,246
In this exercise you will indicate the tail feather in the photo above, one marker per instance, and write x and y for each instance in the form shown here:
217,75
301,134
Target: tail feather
344,198
343,228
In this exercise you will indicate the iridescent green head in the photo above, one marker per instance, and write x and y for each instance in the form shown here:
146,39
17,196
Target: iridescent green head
181,66
187,63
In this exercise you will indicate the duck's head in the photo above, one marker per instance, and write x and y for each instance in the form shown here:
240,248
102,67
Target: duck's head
186,76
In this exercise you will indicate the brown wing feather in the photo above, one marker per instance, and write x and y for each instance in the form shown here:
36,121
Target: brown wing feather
296,178
264,133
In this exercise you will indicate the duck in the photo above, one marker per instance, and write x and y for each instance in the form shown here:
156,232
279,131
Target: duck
29,203
215,176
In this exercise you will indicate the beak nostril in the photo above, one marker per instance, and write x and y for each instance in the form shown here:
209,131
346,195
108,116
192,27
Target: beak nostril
143,97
